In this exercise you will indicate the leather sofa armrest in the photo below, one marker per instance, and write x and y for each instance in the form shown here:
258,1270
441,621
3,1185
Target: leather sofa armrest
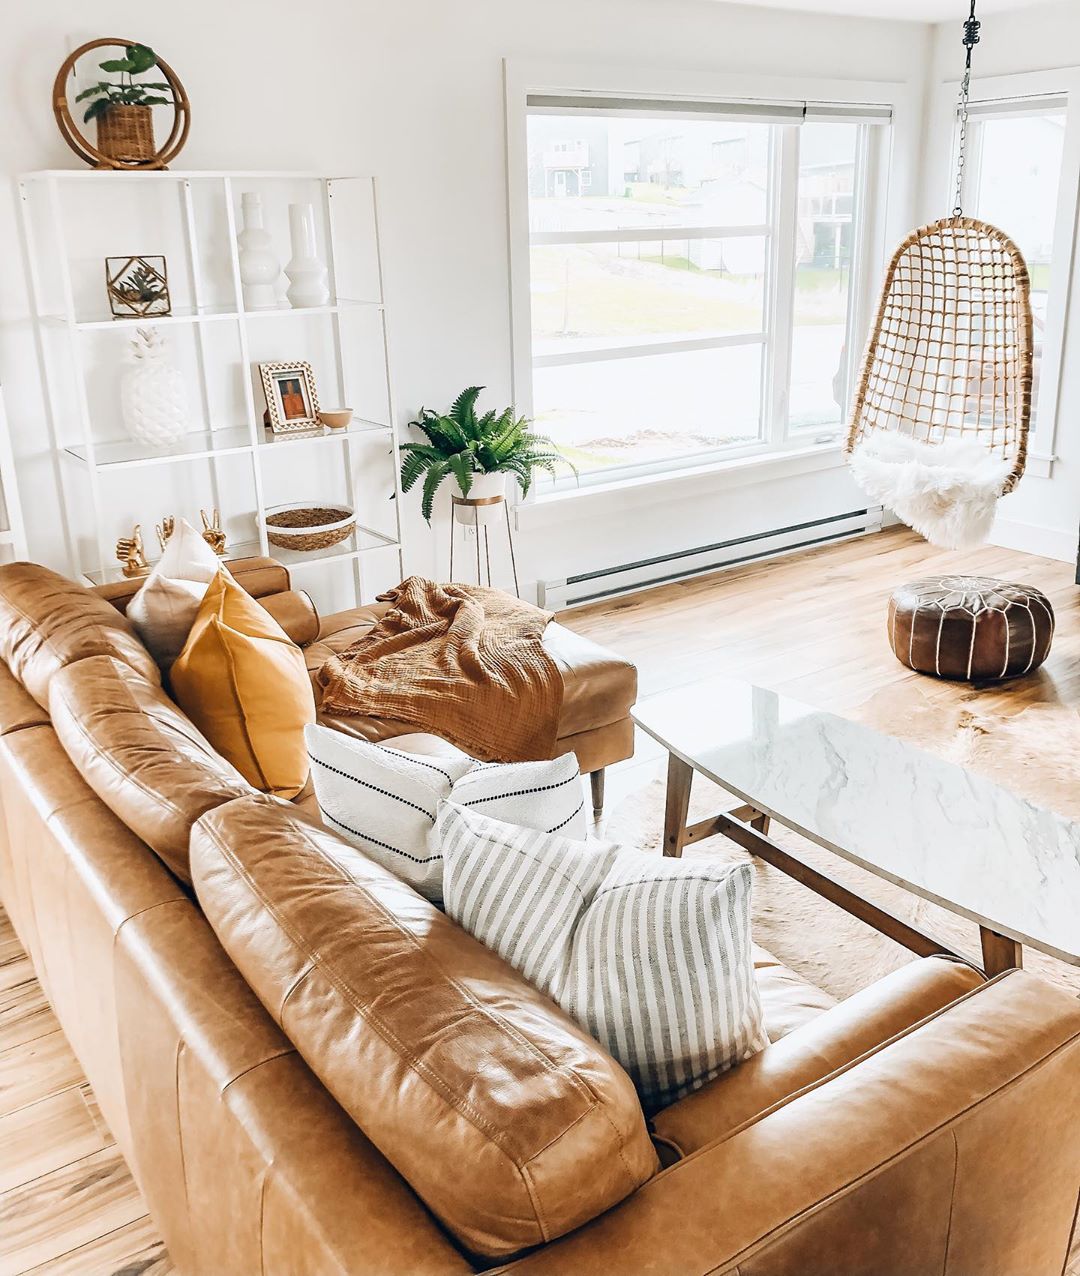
811,1052
259,576
295,613
955,1145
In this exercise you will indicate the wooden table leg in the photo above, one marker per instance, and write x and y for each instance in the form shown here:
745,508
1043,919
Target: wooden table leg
679,776
596,781
999,953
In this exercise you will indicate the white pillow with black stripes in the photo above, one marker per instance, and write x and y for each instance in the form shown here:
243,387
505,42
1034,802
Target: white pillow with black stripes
385,799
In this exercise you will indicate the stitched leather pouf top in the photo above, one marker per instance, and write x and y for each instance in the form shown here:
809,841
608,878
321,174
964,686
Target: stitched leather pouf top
970,627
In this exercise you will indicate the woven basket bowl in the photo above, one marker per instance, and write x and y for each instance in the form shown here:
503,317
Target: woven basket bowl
308,527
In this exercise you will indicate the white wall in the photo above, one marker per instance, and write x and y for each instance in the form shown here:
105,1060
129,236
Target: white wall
412,91
1043,514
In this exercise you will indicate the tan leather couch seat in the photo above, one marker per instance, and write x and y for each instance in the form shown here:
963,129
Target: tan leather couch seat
814,1044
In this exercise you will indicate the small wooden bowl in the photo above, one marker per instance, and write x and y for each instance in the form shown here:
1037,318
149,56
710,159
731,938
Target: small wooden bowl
337,419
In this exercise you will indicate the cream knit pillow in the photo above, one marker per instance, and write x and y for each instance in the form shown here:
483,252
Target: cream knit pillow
164,609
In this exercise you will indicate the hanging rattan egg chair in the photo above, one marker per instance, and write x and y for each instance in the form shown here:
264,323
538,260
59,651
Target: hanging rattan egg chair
940,421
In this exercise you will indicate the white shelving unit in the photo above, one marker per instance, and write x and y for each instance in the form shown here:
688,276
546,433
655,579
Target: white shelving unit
72,221
12,530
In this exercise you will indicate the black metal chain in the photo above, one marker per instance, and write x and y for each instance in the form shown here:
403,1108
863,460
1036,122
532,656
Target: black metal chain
972,26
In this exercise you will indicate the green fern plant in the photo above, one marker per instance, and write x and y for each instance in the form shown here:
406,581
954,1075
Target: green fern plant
462,443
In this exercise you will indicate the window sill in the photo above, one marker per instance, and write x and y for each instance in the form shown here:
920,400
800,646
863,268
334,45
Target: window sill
594,499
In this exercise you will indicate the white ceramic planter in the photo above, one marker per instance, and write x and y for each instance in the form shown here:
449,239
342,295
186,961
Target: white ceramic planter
259,266
307,274
485,487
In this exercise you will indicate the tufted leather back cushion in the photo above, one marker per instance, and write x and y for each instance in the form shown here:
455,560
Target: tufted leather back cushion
48,622
140,754
510,1123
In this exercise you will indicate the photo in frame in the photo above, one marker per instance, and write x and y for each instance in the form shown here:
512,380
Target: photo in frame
292,402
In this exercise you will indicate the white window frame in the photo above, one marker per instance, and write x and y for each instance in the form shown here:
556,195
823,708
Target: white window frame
1026,90
888,193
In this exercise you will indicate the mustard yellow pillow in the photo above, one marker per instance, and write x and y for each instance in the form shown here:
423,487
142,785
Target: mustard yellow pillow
242,681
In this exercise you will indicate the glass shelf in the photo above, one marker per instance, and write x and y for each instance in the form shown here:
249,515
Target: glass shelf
128,453
361,542
205,314
357,428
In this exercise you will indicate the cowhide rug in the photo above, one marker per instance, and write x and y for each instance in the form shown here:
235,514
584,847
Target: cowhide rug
1034,752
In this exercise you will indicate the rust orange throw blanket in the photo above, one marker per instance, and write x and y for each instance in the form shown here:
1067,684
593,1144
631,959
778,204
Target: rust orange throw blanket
462,662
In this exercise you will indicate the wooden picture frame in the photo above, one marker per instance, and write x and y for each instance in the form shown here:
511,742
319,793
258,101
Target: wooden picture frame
292,402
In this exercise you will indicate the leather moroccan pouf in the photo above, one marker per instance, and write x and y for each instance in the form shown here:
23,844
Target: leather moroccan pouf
970,627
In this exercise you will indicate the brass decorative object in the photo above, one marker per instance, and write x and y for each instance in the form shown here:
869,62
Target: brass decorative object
137,286
132,555
212,533
164,530
125,138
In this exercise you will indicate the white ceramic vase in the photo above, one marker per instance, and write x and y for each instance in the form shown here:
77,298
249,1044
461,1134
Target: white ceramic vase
153,401
307,274
259,266
485,487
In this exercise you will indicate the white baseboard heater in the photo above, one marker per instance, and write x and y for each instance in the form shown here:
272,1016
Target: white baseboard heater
575,591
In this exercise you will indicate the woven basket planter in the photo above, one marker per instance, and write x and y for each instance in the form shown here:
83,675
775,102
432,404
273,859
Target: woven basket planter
309,527
127,133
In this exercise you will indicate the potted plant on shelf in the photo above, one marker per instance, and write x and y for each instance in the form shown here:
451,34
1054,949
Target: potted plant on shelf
479,452
125,126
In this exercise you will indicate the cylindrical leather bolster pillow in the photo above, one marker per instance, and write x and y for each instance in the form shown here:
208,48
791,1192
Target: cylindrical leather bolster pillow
295,613
507,1120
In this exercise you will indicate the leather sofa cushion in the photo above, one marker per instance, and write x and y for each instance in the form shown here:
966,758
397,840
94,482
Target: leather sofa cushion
510,1123
48,622
18,708
789,1000
599,688
815,1049
140,754
295,613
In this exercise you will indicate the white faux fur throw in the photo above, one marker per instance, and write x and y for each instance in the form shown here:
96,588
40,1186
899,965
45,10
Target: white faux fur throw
945,491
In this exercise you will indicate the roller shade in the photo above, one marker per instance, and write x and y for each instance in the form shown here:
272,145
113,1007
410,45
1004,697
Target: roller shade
753,111
1053,104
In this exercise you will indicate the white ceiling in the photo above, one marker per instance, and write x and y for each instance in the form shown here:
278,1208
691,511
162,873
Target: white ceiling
910,10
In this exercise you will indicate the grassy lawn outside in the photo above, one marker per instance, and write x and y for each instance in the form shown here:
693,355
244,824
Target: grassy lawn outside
583,291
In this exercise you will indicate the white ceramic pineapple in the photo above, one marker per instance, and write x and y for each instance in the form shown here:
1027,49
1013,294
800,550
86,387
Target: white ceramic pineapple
153,401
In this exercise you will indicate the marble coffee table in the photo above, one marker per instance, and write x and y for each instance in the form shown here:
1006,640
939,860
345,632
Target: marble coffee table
903,814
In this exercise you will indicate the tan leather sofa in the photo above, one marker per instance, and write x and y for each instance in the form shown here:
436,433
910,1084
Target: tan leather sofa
599,687
311,1070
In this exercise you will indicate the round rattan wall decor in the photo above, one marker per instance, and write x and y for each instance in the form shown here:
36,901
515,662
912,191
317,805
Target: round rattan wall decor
125,138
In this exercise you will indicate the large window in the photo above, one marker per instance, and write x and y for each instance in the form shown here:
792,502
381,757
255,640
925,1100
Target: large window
691,279
1013,182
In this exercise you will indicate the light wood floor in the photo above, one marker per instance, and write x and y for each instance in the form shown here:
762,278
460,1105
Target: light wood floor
811,625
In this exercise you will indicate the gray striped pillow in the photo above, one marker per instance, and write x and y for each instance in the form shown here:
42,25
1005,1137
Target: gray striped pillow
651,956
